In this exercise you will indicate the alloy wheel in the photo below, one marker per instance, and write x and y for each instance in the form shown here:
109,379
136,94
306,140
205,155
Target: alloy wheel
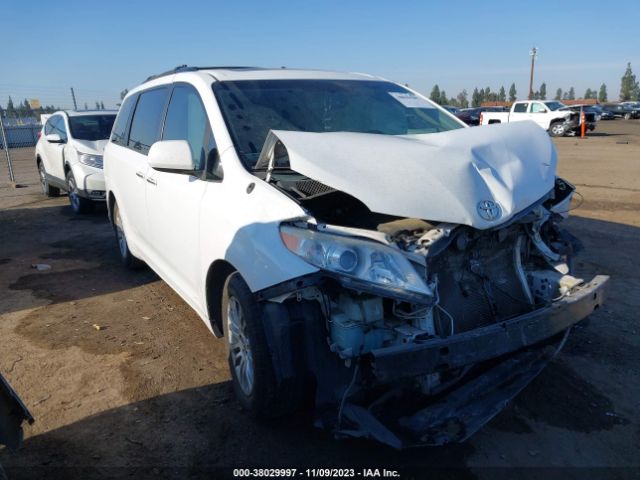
120,237
43,178
74,198
239,346
557,130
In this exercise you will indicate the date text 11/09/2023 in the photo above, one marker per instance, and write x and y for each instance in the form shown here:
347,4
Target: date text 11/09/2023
315,473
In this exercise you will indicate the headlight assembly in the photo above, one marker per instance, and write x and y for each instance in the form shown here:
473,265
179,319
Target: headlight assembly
90,160
365,261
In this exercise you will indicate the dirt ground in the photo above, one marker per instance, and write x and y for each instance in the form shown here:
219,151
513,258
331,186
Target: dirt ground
149,393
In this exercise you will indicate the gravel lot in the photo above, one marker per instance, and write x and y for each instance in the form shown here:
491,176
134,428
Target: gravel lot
149,393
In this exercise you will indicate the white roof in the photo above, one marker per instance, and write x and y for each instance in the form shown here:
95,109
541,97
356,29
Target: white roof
80,113
282,74
208,75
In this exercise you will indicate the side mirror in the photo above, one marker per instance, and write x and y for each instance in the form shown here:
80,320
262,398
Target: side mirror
171,155
53,138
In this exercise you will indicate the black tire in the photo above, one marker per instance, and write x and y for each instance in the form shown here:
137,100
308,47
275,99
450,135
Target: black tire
264,398
557,129
126,257
47,189
78,204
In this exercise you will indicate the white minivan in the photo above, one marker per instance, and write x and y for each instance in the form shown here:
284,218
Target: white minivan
357,246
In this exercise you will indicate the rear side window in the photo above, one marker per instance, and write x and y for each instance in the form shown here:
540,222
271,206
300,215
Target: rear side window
520,108
147,118
537,108
119,132
187,120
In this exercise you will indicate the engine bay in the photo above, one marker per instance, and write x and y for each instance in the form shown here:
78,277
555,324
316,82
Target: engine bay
475,277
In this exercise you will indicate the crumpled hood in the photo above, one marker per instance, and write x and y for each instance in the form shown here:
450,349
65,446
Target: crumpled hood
94,147
446,177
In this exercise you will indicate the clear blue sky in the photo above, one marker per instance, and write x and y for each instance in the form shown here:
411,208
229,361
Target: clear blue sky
102,47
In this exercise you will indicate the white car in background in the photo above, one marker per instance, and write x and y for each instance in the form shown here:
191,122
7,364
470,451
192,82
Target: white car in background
69,155
354,243
547,114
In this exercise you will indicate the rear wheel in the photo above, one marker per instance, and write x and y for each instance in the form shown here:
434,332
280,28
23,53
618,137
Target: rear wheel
78,203
249,357
47,189
557,129
126,257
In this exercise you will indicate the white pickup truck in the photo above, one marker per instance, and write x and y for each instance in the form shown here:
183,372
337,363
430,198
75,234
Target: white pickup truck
547,114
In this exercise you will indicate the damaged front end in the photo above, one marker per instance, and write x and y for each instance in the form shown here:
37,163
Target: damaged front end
418,332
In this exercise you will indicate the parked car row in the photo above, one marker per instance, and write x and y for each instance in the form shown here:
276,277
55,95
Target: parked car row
594,113
471,116
358,248
626,110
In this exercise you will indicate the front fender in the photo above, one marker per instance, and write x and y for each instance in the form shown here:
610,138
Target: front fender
261,258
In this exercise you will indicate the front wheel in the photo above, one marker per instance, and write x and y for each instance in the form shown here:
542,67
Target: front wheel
47,189
78,204
557,129
249,357
126,257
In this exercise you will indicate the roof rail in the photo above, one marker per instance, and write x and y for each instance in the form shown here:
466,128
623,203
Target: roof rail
186,68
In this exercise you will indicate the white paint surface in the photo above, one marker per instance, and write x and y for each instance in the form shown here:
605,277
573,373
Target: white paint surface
438,176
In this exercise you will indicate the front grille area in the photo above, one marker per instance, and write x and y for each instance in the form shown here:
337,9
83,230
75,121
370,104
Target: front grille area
478,283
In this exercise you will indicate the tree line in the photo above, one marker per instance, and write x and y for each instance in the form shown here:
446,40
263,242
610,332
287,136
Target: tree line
24,109
629,91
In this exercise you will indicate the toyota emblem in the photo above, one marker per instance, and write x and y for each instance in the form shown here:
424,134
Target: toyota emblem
489,210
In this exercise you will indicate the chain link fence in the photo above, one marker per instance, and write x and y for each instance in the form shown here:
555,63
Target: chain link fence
24,109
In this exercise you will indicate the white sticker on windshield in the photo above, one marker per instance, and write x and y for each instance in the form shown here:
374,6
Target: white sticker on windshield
410,100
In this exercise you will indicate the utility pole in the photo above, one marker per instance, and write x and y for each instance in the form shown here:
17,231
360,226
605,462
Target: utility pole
73,96
533,53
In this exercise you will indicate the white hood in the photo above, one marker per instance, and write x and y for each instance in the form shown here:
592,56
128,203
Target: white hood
94,147
438,176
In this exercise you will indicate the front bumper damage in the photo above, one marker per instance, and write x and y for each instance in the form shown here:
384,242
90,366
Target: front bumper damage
491,341
492,364
453,417
525,346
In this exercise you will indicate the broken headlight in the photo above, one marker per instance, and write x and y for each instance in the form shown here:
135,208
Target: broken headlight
362,260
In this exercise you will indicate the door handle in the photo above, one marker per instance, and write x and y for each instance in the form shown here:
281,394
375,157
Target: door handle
140,174
152,181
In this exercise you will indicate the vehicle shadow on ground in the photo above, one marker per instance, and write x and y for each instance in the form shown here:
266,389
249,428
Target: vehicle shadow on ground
79,254
604,134
194,432
203,433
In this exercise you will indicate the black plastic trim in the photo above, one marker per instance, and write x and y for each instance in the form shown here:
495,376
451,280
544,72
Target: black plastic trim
410,360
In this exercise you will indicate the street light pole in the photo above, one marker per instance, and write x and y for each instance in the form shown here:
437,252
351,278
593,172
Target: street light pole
533,53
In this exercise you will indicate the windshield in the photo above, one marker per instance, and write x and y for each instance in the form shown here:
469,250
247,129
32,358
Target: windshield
553,106
253,107
91,127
